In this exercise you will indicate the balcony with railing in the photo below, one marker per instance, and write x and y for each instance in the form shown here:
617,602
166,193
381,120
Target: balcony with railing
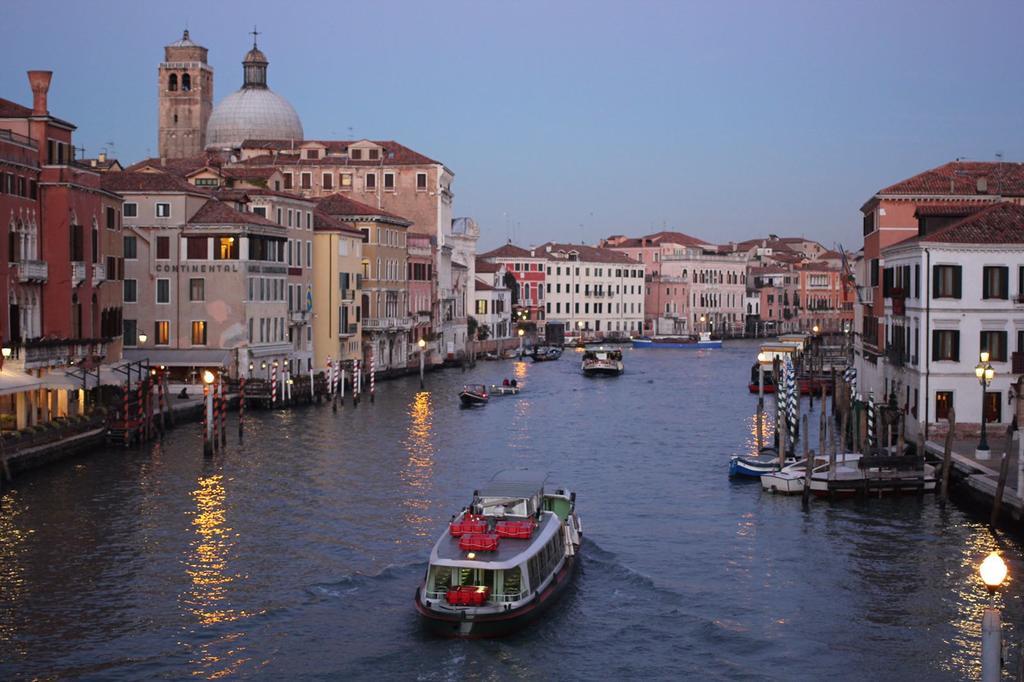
387,323
32,271
351,329
77,272
99,274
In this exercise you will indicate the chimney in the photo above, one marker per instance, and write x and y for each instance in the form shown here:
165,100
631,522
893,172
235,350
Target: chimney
102,157
40,83
982,185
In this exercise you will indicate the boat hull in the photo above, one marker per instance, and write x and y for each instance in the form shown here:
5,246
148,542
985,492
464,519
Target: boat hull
753,467
601,371
783,483
471,400
691,345
466,625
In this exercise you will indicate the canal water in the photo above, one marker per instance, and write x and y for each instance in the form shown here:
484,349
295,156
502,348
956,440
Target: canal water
297,555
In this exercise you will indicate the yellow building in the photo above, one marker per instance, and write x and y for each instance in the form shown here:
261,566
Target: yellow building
337,268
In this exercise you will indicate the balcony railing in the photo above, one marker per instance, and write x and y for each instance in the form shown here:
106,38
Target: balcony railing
77,272
299,316
32,271
351,330
387,323
99,274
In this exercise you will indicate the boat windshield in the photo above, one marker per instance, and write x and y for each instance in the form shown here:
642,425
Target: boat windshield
506,585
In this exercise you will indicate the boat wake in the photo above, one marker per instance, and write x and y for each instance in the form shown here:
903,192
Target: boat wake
350,585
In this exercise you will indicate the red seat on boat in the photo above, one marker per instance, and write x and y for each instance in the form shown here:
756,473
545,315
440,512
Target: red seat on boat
460,528
520,530
468,595
478,542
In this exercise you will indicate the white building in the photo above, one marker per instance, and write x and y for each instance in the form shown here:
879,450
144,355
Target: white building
493,306
950,294
599,287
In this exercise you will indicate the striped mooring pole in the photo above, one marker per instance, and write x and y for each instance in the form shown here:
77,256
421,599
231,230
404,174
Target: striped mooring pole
273,384
223,412
241,406
871,420
140,413
373,375
127,431
330,376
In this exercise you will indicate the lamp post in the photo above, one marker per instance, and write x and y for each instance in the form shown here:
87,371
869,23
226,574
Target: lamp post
762,358
983,370
6,353
521,333
702,326
422,343
208,378
579,325
993,573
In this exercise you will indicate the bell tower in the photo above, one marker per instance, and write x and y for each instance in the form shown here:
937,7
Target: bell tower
185,95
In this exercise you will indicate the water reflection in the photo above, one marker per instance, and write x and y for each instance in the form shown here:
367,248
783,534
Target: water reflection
419,467
13,541
207,600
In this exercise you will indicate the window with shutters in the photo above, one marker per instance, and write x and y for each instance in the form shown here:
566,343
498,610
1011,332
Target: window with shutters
199,332
161,332
995,344
943,403
197,289
993,406
196,248
130,248
995,282
131,291
945,345
946,281
163,291
163,248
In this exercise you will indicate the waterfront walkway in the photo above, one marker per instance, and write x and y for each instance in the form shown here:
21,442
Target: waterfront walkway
982,476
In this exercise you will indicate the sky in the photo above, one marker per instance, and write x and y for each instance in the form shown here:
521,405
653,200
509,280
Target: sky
572,121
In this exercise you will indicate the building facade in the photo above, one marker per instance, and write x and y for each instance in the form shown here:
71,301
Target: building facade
337,280
184,99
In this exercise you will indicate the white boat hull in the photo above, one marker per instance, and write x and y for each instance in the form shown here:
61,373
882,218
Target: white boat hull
783,482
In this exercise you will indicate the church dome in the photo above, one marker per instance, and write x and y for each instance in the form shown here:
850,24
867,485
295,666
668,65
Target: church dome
253,113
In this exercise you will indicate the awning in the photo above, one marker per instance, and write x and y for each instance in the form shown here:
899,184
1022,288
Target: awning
71,379
181,357
17,382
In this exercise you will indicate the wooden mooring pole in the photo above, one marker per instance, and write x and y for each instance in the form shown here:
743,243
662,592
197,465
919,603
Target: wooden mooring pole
947,454
1004,469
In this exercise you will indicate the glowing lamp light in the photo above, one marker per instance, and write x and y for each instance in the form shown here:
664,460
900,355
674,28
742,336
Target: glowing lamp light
422,343
984,356
762,357
815,329
521,332
143,338
6,351
979,371
263,365
208,377
250,366
471,555
291,381
989,373
993,571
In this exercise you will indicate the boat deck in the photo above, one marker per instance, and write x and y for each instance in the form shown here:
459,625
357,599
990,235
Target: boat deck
508,548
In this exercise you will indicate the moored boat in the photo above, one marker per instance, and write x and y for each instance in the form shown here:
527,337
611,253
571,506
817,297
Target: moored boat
790,479
546,353
473,394
602,360
755,466
704,340
503,560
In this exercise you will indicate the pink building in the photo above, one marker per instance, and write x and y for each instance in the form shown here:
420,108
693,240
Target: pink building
825,300
422,284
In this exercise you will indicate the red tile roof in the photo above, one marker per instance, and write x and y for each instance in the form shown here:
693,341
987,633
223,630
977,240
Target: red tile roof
215,212
1001,223
264,192
129,181
670,237
818,266
322,222
181,167
962,178
9,109
588,254
394,153
483,286
949,209
485,266
340,206
507,251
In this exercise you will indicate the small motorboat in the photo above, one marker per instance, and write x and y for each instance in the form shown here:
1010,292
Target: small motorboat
473,394
790,479
546,353
502,561
504,389
754,466
602,361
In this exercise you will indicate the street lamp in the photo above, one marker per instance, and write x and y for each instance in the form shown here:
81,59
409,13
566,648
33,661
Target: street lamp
815,329
579,325
422,343
983,370
143,338
521,333
762,358
702,320
993,573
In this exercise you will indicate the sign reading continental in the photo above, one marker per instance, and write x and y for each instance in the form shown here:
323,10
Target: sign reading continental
198,268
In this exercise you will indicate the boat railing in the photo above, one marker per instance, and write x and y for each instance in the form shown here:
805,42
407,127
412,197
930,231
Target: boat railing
492,599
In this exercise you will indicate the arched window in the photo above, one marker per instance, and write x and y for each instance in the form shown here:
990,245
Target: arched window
186,82
172,82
